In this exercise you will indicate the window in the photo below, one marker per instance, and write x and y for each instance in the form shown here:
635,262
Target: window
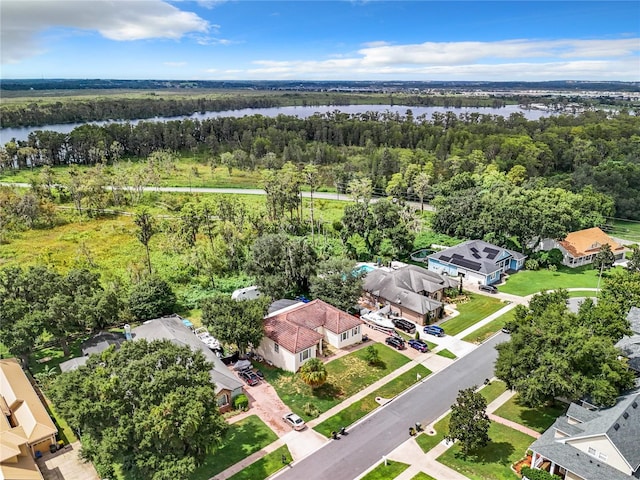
223,400
276,347
344,336
595,453
355,331
592,451
305,354
602,456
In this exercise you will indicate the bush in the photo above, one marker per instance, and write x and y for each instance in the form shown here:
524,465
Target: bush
532,264
533,474
241,402
310,410
371,355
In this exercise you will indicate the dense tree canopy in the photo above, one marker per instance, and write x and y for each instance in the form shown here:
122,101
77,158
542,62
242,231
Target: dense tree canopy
149,407
338,283
469,422
238,323
151,298
555,353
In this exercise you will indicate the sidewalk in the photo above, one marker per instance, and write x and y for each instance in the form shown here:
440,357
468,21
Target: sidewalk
486,320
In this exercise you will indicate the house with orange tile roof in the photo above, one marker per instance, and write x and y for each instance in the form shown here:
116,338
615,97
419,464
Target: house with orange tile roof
581,247
25,426
297,333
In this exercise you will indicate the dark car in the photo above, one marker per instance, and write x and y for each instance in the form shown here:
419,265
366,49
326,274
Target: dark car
434,330
419,345
249,377
488,288
395,342
404,325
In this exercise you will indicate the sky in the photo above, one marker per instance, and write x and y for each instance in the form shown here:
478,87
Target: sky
320,40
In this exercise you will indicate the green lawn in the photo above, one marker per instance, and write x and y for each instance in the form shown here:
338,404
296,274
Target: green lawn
386,472
538,419
493,390
583,293
243,438
427,442
265,467
479,307
346,376
483,333
423,476
627,230
492,462
359,409
447,354
527,282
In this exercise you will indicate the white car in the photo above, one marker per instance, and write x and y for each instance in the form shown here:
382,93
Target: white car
294,420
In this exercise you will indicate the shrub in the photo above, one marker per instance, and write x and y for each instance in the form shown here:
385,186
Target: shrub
241,402
310,410
533,474
532,264
371,355
552,268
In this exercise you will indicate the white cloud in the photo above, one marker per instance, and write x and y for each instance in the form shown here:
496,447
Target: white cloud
23,20
502,60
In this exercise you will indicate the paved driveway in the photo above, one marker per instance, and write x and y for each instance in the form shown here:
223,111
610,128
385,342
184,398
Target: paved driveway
65,464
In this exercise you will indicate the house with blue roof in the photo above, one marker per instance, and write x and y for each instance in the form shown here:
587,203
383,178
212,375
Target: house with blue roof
476,261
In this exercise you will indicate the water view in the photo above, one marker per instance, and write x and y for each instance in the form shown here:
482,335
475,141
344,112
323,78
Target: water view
6,134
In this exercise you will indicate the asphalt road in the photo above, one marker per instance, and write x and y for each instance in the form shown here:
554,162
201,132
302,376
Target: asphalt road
240,191
388,427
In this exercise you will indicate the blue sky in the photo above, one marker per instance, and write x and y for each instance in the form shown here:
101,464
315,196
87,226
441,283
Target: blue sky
318,40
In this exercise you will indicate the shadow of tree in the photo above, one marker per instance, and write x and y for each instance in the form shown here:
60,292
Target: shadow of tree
494,452
327,391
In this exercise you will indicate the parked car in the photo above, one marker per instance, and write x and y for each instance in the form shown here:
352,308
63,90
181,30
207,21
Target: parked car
404,325
488,288
294,421
249,377
395,342
434,330
419,345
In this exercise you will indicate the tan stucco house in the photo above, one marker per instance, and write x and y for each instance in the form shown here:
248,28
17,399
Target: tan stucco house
25,426
296,333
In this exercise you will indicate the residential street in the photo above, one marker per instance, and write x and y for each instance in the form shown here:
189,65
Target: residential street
381,432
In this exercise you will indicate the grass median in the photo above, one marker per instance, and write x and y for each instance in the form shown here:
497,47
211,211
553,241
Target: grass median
265,467
476,309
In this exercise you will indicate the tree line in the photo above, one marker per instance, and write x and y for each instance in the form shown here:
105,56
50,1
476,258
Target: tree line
594,148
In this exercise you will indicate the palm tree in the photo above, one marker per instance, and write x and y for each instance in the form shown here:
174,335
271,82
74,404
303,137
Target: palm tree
313,373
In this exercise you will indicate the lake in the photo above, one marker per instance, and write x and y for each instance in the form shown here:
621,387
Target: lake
7,134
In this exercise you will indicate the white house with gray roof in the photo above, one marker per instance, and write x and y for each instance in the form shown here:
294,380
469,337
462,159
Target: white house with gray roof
589,444
476,261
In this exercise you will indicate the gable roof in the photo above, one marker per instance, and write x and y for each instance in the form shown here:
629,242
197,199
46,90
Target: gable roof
620,423
24,403
171,328
476,255
588,241
101,341
294,327
403,286
630,345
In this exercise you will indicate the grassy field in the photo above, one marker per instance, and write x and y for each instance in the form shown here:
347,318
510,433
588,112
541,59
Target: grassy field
386,472
346,376
527,282
423,476
359,409
625,229
243,438
538,419
492,462
265,467
479,307
483,333
583,293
